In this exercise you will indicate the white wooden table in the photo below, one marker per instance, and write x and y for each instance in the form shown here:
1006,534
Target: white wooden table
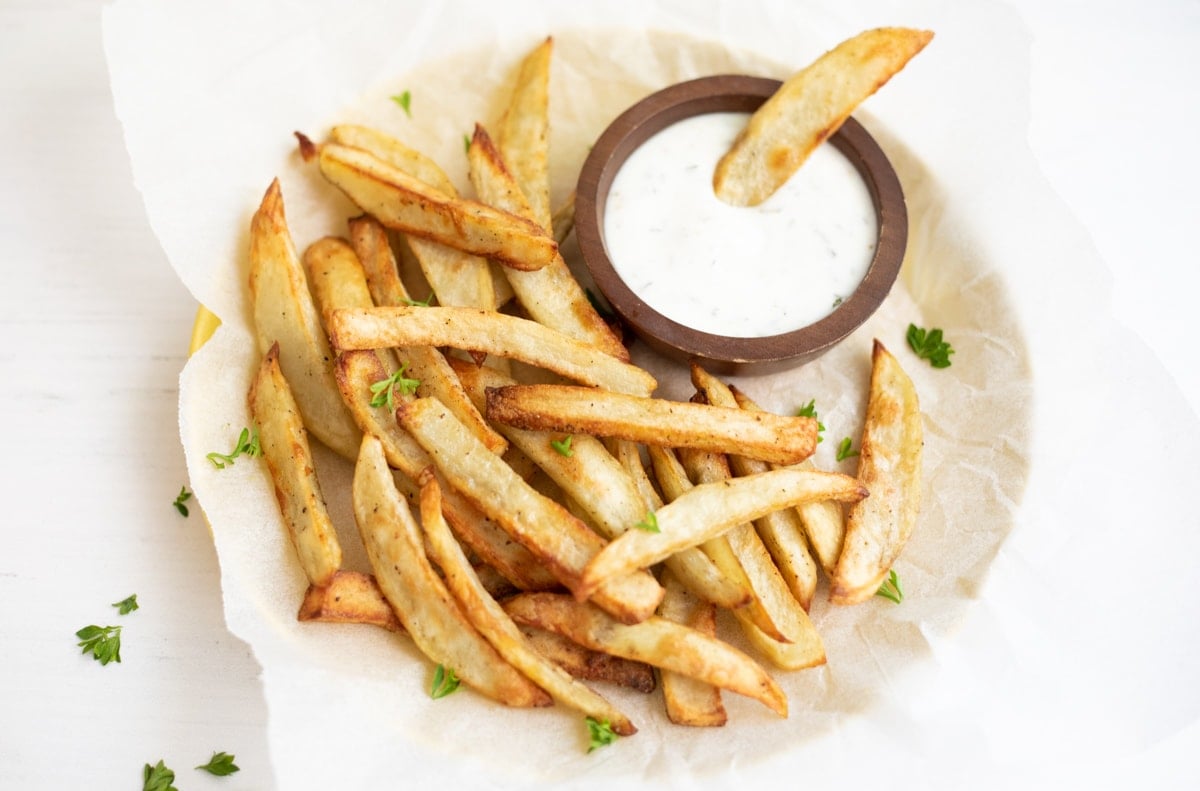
96,328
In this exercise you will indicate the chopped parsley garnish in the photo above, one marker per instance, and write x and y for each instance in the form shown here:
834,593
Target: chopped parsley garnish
126,605
405,102
563,446
845,450
445,681
158,778
181,498
247,443
600,733
649,524
221,764
382,392
102,642
810,410
890,589
930,346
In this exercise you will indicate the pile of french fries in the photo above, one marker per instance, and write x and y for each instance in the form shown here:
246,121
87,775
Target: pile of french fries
533,516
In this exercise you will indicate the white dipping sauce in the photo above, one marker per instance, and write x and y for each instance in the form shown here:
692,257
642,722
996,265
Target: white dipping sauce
744,272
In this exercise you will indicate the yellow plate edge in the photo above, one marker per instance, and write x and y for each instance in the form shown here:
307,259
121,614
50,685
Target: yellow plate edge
202,329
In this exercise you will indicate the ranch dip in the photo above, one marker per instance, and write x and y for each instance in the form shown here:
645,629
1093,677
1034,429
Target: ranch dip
743,272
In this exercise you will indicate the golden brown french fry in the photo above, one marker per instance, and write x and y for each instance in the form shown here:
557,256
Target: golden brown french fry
492,333
559,539
284,444
284,313
694,568
654,421
406,204
350,597
416,592
889,465
781,531
708,510
688,701
655,641
494,624
793,643
424,363
524,137
823,523
550,295
808,108
589,665
674,480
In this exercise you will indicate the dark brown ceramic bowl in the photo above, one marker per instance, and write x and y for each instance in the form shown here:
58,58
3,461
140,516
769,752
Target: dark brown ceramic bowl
734,93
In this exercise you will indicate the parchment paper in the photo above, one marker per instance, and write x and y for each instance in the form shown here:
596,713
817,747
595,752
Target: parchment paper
209,124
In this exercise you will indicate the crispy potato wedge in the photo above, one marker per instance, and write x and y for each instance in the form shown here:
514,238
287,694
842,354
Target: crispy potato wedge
655,641
494,624
689,701
824,523
793,643
550,295
807,109
284,444
889,465
781,531
457,277
492,333
424,363
560,540
654,421
430,615
709,510
406,204
284,313
588,665
350,597
524,136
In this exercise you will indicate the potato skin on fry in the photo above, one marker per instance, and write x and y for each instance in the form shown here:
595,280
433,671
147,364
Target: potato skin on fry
890,466
350,597
285,449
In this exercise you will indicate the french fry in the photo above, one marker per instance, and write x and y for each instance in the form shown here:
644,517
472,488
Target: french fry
781,531
524,139
490,332
284,313
430,615
423,363
824,523
588,665
689,701
808,108
793,644
709,510
674,480
654,421
550,295
889,465
350,597
655,641
494,624
560,540
406,204
284,444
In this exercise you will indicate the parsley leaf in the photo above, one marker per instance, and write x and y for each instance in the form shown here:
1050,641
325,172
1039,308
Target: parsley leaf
419,303
445,681
810,410
181,498
103,642
466,142
247,443
126,605
405,102
929,345
158,778
563,446
600,733
845,450
649,524
890,589
383,390
221,764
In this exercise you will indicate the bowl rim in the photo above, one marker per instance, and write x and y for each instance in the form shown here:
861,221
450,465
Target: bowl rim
734,92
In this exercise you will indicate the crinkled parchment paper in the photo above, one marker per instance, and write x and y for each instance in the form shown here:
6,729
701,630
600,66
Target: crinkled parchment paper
210,96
